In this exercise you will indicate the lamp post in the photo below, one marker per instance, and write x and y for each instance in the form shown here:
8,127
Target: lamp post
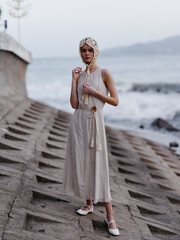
18,10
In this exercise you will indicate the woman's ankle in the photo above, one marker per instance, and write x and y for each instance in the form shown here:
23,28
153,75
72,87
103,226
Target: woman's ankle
110,216
89,202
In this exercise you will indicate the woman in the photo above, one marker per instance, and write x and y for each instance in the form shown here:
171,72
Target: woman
86,170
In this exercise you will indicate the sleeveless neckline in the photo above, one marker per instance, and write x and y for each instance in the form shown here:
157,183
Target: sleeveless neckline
94,71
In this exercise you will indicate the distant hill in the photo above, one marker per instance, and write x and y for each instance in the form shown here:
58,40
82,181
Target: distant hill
170,45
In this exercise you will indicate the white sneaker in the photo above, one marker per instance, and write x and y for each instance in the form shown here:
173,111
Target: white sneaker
85,212
113,231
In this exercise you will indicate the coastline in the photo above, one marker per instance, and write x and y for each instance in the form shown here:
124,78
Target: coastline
144,175
147,86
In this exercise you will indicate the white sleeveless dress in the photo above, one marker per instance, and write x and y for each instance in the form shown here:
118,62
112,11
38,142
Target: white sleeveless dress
86,169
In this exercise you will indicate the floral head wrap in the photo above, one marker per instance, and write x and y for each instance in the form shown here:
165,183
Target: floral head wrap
91,43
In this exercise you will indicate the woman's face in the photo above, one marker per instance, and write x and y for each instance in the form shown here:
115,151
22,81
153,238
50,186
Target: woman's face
87,53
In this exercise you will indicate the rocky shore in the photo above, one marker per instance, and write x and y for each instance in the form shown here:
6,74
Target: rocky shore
144,175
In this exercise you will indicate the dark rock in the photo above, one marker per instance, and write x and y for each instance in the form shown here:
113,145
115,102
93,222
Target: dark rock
173,144
159,122
141,126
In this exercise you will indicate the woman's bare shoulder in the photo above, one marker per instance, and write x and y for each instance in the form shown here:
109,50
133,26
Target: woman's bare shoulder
106,74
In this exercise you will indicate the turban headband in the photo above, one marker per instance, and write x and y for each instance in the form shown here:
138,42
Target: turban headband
91,43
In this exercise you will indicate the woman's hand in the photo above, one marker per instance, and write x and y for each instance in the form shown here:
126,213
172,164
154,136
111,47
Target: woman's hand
76,73
75,77
88,89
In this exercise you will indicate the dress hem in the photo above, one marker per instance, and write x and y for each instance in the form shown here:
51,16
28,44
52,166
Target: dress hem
70,193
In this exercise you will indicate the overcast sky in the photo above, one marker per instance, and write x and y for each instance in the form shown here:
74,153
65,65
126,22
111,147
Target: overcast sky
54,28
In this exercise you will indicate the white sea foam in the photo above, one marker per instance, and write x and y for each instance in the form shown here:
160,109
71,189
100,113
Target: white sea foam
49,81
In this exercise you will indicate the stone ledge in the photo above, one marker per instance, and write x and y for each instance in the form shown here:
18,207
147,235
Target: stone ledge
7,43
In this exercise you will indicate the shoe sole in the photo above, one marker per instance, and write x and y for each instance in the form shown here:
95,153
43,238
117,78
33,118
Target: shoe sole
84,214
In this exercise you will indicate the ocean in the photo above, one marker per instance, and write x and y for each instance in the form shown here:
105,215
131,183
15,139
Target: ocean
148,88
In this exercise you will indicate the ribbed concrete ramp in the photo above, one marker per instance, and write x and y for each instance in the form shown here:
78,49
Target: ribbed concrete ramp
144,179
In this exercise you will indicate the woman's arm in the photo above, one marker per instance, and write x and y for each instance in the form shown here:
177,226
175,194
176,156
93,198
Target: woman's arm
74,96
113,99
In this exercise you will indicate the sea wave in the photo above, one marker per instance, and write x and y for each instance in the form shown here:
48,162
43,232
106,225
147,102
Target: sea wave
159,87
154,87
138,81
176,115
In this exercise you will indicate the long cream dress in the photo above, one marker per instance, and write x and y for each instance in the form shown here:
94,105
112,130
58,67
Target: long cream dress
86,170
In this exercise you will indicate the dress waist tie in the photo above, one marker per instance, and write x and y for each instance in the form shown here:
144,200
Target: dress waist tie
92,115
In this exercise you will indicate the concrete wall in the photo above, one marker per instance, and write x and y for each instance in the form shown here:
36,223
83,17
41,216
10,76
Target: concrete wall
14,60
13,63
12,75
